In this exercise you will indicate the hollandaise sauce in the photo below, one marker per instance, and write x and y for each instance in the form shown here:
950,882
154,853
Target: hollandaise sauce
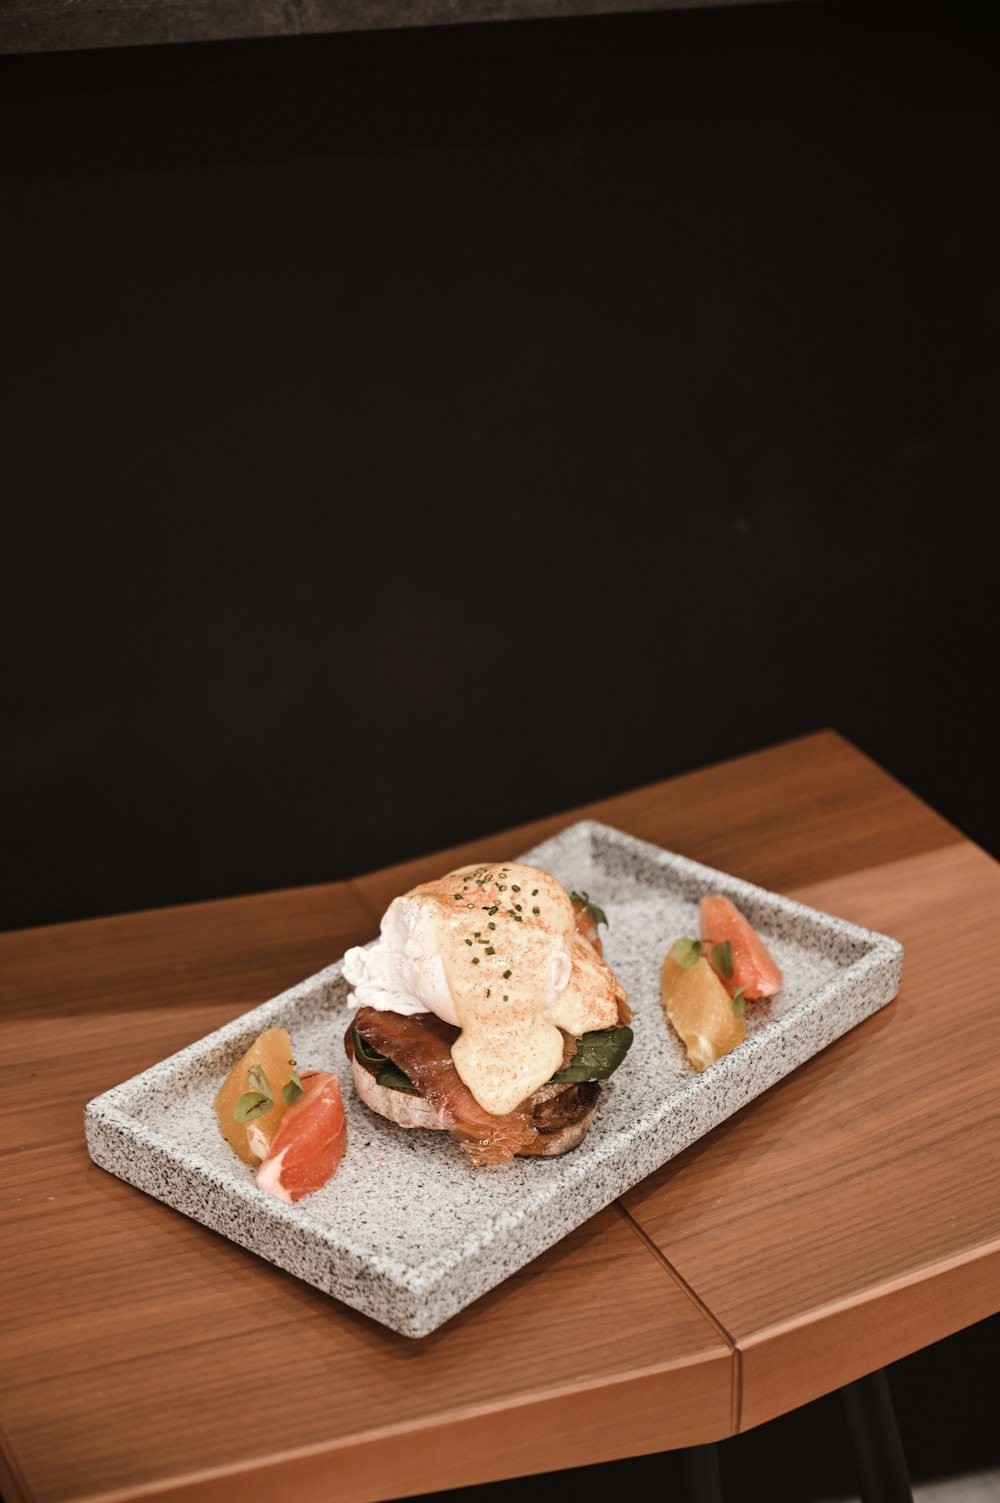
519,973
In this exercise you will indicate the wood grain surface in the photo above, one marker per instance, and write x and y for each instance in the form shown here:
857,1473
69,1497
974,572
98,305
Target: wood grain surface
140,1350
156,1353
856,1215
846,1217
808,809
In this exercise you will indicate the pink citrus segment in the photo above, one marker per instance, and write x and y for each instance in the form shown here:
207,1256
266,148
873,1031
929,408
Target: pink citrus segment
310,1141
754,968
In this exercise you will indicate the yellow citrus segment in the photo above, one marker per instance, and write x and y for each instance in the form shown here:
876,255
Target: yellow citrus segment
701,1010
272,1053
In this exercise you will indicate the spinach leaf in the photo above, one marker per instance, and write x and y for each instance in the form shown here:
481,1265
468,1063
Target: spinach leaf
387,1074
365,1052
394,1078
597,1056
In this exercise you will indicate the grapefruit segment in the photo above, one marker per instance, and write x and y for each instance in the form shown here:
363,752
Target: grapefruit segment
270,1054
309,1143
754,968
701,1010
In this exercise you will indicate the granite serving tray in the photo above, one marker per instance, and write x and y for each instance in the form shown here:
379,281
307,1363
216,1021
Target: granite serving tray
407,1231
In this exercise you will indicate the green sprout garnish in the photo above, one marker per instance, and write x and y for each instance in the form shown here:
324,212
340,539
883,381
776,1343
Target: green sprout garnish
258,1100
293,1090
582,900
686,952
723,959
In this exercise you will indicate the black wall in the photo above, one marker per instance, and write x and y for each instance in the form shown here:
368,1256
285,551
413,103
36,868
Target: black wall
411,434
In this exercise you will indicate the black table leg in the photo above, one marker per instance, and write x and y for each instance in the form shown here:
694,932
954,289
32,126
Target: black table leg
701,1474
878,1449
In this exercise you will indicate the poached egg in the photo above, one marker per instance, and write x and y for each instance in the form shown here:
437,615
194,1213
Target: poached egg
494,951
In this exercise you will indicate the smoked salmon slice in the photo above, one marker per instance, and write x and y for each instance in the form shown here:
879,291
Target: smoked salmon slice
420,1046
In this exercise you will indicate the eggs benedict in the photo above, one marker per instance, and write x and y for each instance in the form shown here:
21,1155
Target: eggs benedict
486,1008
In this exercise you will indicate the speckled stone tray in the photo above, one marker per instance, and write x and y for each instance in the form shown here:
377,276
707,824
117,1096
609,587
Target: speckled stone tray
407,1231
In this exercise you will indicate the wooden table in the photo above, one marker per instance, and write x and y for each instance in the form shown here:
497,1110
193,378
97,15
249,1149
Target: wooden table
849,1216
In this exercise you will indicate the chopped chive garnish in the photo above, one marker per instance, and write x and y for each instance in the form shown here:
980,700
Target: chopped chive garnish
506,974
490,950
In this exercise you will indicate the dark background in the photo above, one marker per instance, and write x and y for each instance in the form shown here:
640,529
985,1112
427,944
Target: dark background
408,435
412,434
